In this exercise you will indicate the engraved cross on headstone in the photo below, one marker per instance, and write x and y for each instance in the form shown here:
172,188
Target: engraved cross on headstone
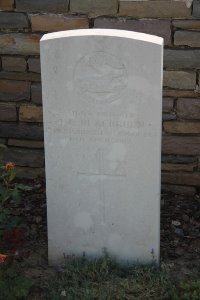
104,167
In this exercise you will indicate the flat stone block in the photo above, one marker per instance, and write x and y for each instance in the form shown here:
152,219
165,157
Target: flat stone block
56,6
3,141
179,159
182,145
25,76
14,90
168,104
179,80
188,108
57,22
7,5
179,189
184,178
169,116
160,28
13,20
98,140
187,24
179,167
187,38
21,131
154,9
94,7
34,65
196,9
19,43
24,157
180,93
26,143
182,59
36,93
16,64
8,112
182,127
30,113
30,173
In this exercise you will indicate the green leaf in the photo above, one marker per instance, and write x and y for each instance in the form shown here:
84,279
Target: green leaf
16,195
13,223
5,196
12,175
2,146
24,187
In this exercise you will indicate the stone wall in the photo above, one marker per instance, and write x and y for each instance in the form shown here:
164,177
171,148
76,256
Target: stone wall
23,22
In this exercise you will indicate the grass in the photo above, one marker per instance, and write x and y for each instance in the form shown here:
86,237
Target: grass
104,279
99,279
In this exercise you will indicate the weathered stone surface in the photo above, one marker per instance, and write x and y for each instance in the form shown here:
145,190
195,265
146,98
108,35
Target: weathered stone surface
98,126
26,76
34,65
186,178
19,43
179,167
36,93
8,112
182,59
42,6
14,90
182,127
179,93
30,113
59,22
30,173
187,24
179,189
168,104
183,145
187,38
24,157
188,108
26,143
160,28
179,80
21,131
94,7
196,9
17,64
7,4
13,20
154,9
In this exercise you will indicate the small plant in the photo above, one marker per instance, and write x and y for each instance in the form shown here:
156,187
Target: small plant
13,285
12,229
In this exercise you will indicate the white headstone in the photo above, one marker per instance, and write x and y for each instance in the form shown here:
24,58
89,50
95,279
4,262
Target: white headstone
102,98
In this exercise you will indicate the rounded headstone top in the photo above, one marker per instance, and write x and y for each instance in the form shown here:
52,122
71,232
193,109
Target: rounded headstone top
104,32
